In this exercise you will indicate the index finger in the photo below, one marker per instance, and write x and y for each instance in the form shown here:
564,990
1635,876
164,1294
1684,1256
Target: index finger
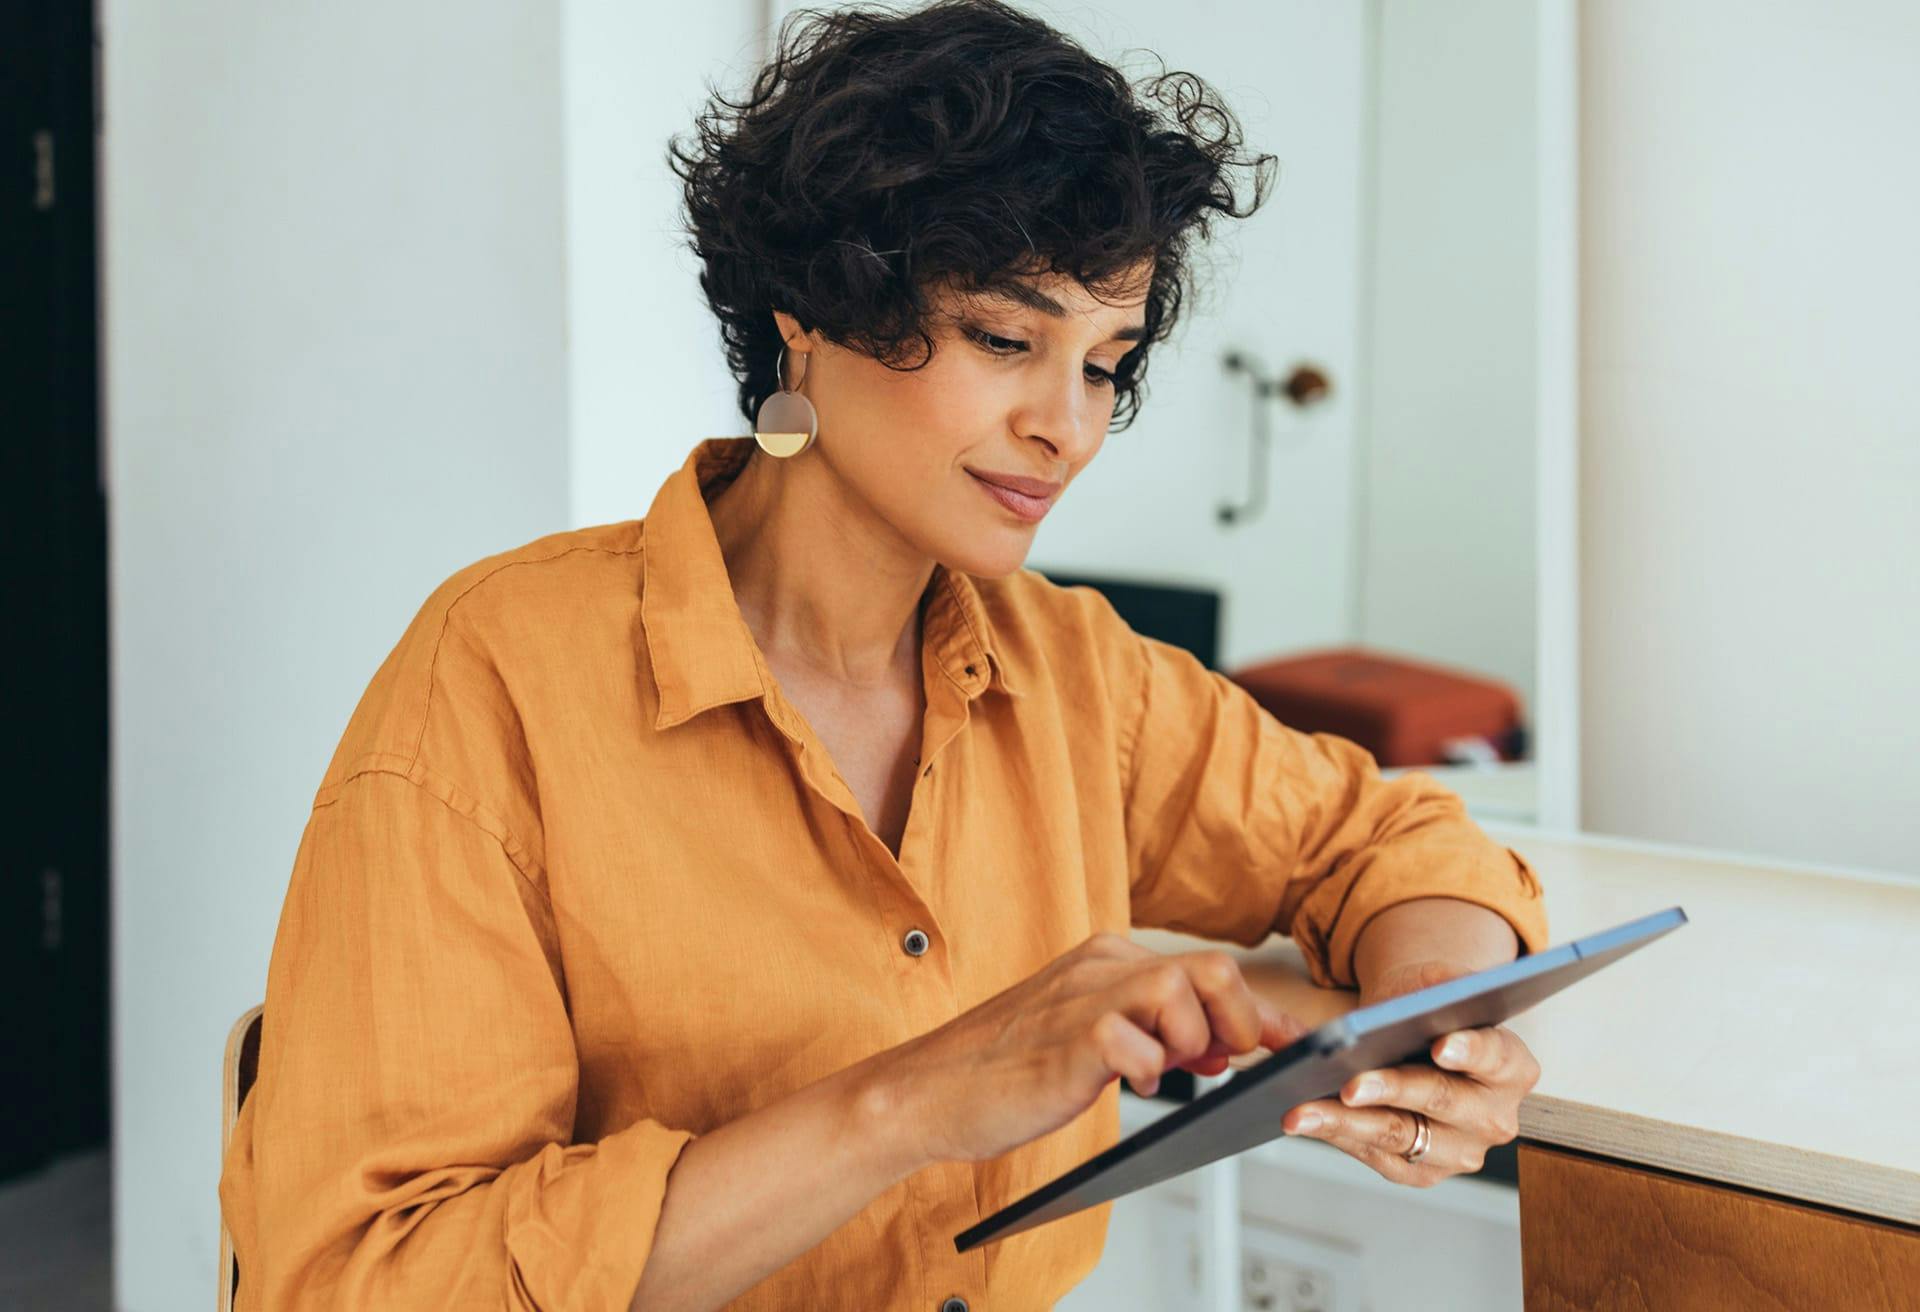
1224,992
1229,999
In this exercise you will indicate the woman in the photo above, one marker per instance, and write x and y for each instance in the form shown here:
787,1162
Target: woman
728,907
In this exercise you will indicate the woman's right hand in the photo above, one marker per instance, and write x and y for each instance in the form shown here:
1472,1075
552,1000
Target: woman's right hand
1034,1056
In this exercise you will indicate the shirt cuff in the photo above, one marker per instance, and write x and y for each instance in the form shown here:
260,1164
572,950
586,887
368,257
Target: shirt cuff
581,1238
1329,921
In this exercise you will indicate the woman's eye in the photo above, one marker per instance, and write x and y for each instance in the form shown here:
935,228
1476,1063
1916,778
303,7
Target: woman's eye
1003,345
1009,346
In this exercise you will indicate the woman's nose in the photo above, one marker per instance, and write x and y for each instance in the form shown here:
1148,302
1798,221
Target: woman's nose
1068,422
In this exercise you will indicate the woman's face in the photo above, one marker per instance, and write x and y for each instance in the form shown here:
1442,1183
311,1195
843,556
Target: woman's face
1013,392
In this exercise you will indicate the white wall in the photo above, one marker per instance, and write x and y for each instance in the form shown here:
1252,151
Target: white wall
1751,433
335,373
1447,505
648,374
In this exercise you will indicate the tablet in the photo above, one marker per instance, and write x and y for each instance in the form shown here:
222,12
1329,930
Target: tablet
1247,1109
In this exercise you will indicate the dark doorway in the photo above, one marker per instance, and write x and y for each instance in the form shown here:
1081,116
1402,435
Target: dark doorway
53,910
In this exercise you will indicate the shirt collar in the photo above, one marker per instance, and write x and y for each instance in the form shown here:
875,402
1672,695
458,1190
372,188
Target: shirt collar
700,648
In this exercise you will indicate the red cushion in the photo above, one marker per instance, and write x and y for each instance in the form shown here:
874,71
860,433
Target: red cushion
1400,710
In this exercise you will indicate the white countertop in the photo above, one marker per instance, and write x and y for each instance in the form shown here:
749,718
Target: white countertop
1772,1043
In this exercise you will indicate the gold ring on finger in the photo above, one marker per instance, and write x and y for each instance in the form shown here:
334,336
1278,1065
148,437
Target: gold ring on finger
1422,1138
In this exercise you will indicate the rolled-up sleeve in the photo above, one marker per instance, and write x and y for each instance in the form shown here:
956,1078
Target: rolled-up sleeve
409,1140
1239,826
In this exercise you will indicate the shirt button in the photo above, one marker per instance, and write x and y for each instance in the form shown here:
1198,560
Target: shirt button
954,1304
916,943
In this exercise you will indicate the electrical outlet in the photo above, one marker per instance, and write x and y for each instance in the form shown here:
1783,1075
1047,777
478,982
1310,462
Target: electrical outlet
1284,1270
1281,1269
1270,1285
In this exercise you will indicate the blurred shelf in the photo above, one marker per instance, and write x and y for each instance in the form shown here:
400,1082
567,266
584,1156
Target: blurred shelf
1505,791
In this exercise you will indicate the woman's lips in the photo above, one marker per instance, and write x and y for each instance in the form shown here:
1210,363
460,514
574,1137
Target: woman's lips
1024,504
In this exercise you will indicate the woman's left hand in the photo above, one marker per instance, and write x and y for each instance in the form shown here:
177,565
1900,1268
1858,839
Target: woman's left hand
1472,1101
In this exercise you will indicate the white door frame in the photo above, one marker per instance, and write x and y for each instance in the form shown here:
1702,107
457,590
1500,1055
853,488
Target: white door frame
1557,491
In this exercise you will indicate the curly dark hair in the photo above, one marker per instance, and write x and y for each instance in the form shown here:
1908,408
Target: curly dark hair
880,154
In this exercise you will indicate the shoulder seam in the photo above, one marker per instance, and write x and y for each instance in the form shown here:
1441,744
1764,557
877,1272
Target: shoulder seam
446,619
454,798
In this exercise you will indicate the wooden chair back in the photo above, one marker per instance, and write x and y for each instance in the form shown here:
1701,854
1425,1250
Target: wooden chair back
237,1072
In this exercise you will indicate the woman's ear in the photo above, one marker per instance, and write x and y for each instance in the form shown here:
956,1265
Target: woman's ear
796,338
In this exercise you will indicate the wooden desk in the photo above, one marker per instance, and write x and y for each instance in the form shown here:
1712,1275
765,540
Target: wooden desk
1729,1118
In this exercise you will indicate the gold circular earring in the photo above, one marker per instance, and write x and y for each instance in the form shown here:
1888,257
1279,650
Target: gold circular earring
786,422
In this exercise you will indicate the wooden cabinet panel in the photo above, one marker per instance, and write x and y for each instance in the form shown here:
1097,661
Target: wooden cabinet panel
1603,1236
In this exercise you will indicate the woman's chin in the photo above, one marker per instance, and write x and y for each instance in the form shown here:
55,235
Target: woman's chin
992,560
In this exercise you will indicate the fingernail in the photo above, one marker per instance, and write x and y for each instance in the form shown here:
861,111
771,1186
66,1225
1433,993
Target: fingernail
1308,1124
1369,1089
1454,1049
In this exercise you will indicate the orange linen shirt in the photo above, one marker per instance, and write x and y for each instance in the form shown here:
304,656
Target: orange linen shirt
580,883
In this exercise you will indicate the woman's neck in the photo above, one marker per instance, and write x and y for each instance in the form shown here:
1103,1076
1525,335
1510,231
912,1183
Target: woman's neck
818,578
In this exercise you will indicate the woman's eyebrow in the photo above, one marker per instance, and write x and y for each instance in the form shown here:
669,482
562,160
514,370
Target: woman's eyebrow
1034,298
